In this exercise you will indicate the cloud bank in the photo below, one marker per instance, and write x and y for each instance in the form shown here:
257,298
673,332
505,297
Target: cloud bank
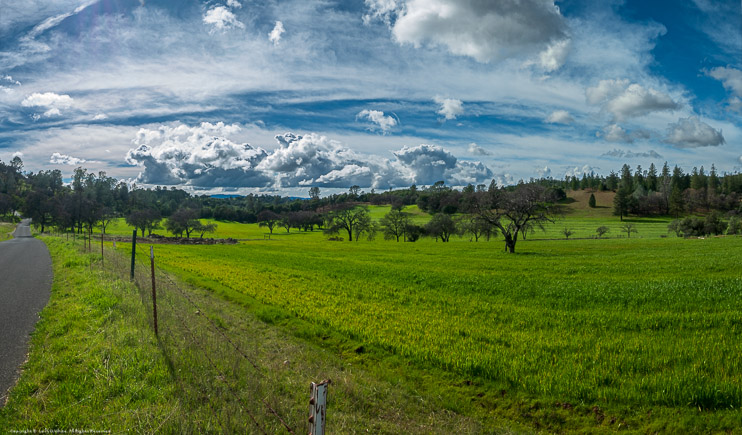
203,157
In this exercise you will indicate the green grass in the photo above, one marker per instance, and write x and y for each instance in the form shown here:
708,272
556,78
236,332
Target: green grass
94,363
626,324
6,230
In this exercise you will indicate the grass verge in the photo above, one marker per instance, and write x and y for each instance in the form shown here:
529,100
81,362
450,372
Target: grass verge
94,363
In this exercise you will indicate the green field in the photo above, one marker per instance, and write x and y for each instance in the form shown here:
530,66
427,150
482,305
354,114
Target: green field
617,322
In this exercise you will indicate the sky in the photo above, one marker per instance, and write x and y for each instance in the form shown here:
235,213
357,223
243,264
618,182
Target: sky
248,96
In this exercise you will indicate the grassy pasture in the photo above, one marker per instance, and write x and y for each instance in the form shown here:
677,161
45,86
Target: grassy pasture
581,219
625,322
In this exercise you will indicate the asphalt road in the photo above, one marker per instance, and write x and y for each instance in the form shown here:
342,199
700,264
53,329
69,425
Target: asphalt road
25,285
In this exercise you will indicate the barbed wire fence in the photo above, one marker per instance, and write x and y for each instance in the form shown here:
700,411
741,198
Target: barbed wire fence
218,369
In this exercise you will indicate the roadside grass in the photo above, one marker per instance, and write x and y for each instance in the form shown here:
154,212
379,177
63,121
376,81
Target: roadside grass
6,230
93,363
644,331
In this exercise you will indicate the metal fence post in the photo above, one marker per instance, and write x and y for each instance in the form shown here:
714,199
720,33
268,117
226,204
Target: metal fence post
133,253
318,407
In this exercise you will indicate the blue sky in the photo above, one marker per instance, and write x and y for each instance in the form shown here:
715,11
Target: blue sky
278,96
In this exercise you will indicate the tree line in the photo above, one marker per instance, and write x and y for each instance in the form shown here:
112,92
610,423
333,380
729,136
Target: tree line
93,200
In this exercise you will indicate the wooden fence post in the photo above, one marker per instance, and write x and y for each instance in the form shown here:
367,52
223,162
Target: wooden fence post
154,289
318,407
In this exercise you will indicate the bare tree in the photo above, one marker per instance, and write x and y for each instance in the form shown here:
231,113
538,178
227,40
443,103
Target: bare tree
512,210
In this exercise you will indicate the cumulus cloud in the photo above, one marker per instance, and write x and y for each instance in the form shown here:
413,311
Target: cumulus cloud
275,35
476,150
450,108
544,172
49,100
624,100
615,133
100,117
203,157
221,19
63,159
622,154
234,4
432,163
559,117
693,133
198,156
483,30
377,117
579,171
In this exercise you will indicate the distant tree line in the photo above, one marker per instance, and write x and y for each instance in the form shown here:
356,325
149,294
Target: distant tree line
480,212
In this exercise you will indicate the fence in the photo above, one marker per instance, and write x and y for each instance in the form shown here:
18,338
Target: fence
227,384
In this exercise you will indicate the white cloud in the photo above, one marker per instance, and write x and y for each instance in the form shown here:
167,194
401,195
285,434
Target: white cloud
431,163
555,55
615,133
380,9
221,19
476,150
544,172
199,156
376,116
203,157
234,4
483,30
450,107
560,117
693,133
17,154
63,159
579,171
275,35
624,100
7,83
630,154
731,78
48,99
100,117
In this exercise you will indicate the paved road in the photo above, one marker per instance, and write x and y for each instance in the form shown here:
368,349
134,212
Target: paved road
25,285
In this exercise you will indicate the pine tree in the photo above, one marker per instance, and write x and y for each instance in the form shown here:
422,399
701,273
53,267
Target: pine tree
652,178
591,201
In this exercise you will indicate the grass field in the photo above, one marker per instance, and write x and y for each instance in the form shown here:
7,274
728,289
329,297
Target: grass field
628,323
566,335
